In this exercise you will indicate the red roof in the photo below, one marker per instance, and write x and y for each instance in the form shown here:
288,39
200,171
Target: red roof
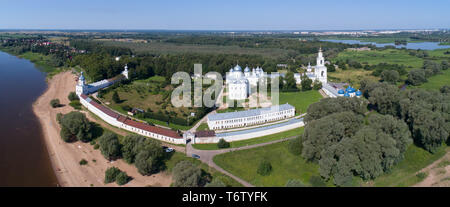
154,129
206,133
105,110
83,96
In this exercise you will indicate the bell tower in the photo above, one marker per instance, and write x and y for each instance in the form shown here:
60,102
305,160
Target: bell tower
81,86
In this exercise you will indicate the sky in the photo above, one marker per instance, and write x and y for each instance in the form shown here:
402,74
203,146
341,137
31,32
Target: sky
224,14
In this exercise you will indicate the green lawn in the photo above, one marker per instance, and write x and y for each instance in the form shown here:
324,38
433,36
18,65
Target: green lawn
202,127
300,100
404,173
437,81
285,166
258,140
390,56
177,157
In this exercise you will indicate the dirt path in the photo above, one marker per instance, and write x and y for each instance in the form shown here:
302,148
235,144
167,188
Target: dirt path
438,173
65,157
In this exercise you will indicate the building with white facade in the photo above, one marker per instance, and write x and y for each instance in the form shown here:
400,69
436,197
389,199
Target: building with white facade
83,88
239,83
319,73
250,117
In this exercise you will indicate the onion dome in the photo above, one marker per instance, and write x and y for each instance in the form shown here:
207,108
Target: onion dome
346,95
341,91
358,93
81,76
247,69
237,68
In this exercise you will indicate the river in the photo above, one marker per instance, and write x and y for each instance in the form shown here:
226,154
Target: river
24,160
410,45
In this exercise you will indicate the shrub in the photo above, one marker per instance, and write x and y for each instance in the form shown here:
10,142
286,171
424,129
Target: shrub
83,162
54,103
73,96
223,144
421,176
75,126
122,178
96,146
186,174
75,104
264,168
111,174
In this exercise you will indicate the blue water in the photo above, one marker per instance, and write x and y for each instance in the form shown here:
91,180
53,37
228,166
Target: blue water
413,45
24,159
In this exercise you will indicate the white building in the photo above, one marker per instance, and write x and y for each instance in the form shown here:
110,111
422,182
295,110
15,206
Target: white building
250,117
239,83
83,88
319,73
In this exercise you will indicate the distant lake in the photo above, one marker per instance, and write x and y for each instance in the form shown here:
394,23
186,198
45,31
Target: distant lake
24,159
412,45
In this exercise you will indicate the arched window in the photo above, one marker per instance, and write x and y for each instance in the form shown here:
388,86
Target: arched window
322,73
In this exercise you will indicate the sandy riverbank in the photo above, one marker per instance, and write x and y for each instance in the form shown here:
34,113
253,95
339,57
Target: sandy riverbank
65,157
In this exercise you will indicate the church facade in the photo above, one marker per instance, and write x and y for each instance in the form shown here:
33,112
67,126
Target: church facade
239,83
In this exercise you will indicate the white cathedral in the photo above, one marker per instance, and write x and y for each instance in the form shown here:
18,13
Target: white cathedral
239,83
320,70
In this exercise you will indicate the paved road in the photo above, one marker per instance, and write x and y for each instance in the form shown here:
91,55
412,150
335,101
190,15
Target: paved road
206,156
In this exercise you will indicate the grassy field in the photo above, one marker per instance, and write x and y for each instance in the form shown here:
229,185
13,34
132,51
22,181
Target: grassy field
202,127
437,81
258,140
171,48
351,76
285,166
390,56
177,157
300,100
404,173
148,94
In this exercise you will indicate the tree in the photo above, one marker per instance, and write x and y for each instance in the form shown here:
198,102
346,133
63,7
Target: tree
416,77
109,145
390,76
306,83
294,183
264,168
295,146
55,103
186,174
122,178
73,96
445,89
329,106
146,163
223,144
215,183
290,83
115,97
131,147
331,68
317,85
111,174
385,97
75,126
